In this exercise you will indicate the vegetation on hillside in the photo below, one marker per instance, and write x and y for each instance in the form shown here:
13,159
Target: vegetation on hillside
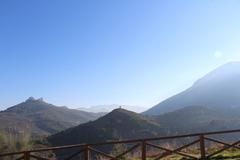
199,119
10,142
119,124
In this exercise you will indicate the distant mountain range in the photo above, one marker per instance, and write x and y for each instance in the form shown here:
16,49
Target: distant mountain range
212,103
219,88
41,118
121,124
109,108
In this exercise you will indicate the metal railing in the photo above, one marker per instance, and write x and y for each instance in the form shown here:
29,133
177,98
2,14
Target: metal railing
85,150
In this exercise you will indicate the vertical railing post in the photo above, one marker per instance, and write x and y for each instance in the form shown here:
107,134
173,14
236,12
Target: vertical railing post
26,155
143,147
202,146
86,153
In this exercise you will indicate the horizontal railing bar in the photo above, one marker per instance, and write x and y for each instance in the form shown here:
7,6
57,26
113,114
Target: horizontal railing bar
45,149
124,141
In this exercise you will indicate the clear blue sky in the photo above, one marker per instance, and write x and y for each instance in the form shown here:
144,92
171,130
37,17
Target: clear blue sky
137,52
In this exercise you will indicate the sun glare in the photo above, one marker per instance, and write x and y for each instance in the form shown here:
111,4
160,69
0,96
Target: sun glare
218,54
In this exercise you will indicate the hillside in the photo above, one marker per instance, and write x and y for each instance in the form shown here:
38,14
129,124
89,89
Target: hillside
199,119
118,124
40,118
123,124
220,88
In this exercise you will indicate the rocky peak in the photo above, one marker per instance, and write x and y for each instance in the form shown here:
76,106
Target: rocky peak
32,99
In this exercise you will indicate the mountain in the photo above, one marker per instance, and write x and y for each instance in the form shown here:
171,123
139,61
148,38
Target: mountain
219,88
109,108
41,118
118,124
199,119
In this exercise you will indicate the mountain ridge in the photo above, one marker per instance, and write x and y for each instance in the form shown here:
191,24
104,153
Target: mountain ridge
199,119
41,118
219,88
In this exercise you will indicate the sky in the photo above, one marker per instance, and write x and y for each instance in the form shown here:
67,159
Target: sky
134,52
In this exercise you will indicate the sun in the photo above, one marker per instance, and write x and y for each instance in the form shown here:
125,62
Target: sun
218,54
